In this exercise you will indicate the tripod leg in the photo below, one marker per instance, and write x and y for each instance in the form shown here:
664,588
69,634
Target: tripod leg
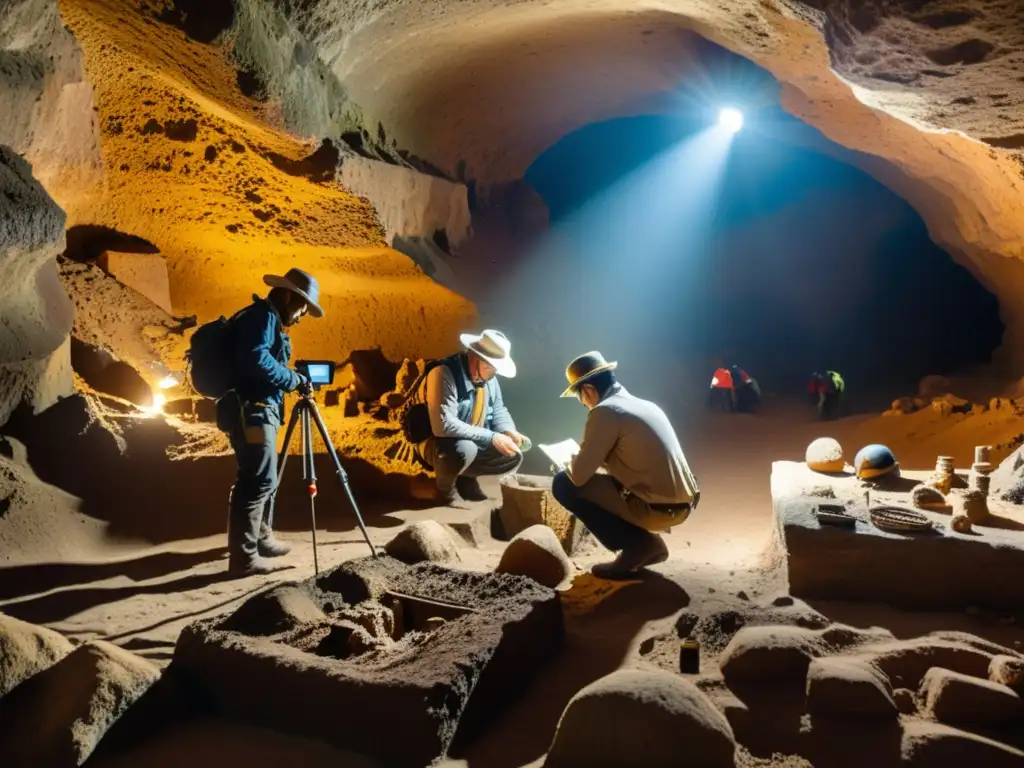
268,514
341,474
310,476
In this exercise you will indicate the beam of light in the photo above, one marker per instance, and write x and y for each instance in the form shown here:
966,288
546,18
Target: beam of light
157,406
615,275
730,120
168,381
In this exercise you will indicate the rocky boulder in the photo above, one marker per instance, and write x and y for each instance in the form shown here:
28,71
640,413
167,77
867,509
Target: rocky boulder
59,716
770,654
1008,671
424,540
284,607
848,687
26,650
641,717
933,745
536,553
954,698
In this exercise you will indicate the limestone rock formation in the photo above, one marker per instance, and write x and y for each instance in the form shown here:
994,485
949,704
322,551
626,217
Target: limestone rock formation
424,540
934,745
848,687
26,650
771,653
35,314
536,552
639,717
48,114
1008,671
59,716
955,698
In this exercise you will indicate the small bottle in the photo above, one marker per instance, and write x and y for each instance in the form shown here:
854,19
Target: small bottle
689,656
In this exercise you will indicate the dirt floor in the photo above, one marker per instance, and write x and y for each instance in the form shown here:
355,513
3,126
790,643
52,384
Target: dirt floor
141,596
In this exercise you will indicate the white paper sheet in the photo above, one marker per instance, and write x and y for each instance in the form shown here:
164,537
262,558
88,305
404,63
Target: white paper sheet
560,453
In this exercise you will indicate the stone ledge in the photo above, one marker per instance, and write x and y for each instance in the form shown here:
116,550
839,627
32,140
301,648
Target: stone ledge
939,570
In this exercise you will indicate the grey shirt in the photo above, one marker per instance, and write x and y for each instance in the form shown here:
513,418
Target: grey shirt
633,440
450,418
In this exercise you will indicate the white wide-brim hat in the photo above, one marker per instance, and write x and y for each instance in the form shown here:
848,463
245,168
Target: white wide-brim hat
494,347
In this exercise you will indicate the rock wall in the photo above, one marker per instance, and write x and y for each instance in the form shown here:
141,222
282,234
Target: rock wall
35,313
409,203
48,111
927,95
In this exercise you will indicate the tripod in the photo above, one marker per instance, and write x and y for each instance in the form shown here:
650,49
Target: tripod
304,413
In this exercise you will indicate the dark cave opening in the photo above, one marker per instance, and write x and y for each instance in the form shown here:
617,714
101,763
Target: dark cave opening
801,262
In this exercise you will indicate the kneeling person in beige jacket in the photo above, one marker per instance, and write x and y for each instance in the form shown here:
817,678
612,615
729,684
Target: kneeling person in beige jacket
630,479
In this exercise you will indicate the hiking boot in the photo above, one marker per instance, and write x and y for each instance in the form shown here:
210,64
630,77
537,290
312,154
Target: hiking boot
469,489
269,545
631,561
251,566
448,499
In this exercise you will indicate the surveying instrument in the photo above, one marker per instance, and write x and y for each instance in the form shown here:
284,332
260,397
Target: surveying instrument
305,414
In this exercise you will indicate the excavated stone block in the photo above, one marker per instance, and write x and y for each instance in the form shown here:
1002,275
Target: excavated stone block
526,500
143,272
770,654
441,681
943,570
59,716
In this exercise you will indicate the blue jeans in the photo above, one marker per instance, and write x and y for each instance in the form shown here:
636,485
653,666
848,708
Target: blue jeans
254,440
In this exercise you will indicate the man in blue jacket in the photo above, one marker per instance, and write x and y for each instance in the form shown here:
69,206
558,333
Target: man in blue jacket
471,432
253,411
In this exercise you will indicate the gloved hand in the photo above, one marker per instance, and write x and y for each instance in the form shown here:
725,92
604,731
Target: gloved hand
305,387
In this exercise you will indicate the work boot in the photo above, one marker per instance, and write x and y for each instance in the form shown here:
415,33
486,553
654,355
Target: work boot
268,545
251,566
450,498
469,489
631,561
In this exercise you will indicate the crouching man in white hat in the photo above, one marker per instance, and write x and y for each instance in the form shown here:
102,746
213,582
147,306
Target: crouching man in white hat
460,425
630,479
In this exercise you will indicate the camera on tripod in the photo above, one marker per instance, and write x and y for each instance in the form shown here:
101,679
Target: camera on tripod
319,372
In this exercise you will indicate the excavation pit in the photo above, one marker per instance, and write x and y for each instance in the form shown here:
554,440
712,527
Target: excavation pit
373,645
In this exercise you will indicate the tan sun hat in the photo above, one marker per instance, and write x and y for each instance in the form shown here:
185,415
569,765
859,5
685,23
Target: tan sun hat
494,347
584,367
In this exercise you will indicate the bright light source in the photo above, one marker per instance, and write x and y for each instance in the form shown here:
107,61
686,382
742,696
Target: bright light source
168,381
157,408
730,119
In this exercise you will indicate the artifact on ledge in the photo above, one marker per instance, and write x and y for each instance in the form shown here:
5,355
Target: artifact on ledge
942,479
825,455
892,518
926,497
874,461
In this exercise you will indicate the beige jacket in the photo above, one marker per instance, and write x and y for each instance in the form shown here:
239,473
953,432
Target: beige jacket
633,440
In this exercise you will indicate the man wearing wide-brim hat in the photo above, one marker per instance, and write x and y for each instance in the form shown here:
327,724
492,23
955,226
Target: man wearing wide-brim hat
252,412
630,479
459,423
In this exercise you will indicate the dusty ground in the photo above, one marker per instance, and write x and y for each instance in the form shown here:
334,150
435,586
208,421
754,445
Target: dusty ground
140,597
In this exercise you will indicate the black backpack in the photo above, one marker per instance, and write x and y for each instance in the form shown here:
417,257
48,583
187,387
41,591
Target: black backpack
416,417
210,358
